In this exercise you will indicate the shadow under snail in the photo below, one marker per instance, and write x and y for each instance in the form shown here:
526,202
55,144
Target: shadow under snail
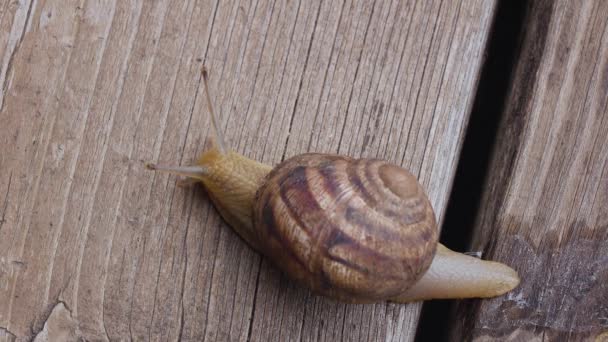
356,230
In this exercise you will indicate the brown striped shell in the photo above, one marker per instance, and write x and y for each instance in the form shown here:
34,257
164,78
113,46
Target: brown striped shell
358,230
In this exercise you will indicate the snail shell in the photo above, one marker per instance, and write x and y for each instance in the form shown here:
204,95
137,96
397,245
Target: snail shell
359,230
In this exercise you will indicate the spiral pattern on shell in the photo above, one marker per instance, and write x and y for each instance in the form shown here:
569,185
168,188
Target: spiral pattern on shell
358,230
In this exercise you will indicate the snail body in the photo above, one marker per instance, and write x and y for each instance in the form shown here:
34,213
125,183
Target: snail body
356,230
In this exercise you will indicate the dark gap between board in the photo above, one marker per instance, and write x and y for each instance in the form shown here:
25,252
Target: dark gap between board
501,57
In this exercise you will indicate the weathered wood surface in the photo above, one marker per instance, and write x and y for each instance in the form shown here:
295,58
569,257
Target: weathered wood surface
545,208
92,246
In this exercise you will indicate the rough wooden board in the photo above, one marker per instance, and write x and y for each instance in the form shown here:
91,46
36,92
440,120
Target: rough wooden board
93,244
545,210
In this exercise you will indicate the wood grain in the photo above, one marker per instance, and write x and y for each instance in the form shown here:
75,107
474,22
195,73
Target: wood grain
545,208
92,246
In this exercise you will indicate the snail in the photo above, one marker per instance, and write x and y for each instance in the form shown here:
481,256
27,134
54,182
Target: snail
356,230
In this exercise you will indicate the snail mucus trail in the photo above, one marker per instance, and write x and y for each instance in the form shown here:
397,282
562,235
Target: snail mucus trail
356,230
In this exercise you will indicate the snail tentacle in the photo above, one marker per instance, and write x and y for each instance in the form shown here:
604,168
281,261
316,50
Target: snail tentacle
195,171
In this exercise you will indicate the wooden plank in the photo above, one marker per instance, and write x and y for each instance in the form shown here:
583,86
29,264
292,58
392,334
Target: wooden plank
545,206
92,246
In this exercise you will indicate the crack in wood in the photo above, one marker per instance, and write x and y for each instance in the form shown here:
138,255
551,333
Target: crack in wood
4,332
58,324
8,189
16,48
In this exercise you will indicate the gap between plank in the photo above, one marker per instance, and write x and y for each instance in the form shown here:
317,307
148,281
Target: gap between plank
502,53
